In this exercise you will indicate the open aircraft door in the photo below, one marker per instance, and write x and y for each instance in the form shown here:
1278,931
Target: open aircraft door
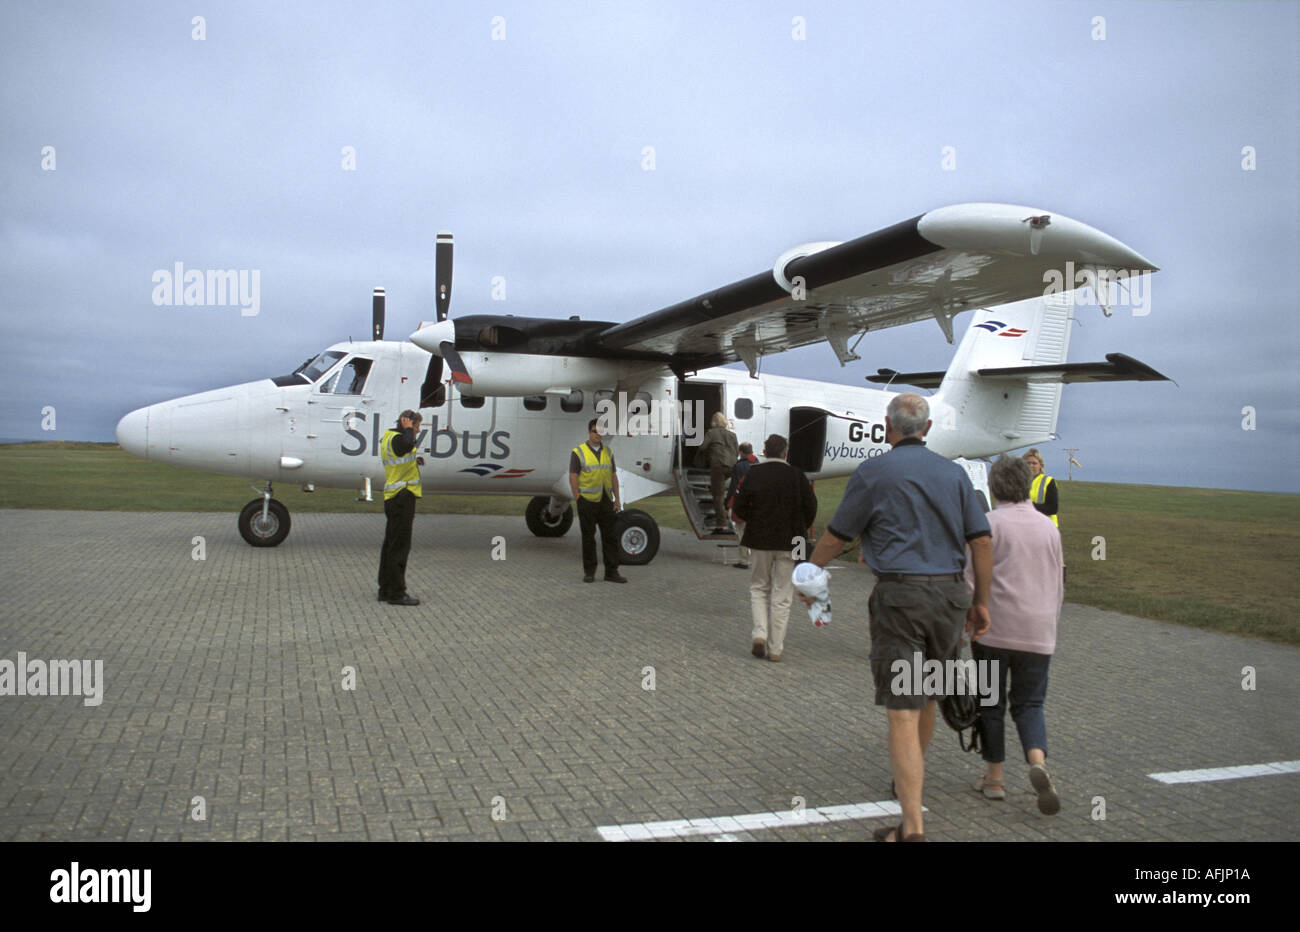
702,398
822,439
807,438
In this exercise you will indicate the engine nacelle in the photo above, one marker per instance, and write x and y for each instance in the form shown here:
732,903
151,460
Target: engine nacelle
797,252
518,374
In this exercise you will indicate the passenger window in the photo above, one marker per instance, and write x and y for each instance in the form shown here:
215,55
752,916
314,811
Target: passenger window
469,401
535,403
572,403
602,395
744,409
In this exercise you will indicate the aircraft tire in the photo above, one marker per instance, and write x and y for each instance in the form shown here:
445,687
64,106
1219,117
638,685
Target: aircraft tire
638,537
541,524
270,534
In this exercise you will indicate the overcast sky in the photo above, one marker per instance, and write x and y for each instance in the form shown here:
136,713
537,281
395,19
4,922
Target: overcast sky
227,152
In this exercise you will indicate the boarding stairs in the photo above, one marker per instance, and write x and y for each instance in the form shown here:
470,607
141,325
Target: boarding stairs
697,500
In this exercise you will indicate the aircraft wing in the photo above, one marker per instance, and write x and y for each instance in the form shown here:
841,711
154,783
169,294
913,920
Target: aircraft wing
935,265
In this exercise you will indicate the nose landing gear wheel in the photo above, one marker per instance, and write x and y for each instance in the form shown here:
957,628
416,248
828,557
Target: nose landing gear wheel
541,523
266,531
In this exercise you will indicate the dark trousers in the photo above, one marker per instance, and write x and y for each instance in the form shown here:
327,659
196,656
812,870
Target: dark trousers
905,618
591,515
1027,674
400,510
719,473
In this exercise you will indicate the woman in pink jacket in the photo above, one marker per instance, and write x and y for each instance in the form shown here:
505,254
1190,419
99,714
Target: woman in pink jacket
1024,605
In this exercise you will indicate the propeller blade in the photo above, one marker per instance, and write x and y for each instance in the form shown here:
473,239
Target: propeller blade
377,314
442,252
458,371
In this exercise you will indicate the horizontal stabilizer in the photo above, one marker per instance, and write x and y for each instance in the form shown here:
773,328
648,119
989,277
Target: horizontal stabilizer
1116,368
917,379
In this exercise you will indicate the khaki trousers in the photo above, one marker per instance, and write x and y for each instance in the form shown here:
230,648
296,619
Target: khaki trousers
740,535
771,591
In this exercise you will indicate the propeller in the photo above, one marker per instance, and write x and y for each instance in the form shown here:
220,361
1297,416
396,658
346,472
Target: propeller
442,272
458,371
440,338
377,314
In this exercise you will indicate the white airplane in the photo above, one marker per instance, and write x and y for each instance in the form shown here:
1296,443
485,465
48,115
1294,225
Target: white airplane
526,387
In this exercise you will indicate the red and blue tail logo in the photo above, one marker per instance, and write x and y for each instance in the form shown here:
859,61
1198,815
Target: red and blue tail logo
998,328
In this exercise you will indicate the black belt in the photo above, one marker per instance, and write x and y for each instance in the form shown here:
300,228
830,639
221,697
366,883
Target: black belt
901,577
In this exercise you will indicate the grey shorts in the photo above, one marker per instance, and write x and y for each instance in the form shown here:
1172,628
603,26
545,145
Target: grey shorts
907,618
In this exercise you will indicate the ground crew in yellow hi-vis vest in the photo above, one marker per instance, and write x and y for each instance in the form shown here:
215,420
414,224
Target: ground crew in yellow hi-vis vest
1042,490
594,483
401,489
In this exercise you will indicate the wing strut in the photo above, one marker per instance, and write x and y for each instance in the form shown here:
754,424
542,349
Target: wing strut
943,304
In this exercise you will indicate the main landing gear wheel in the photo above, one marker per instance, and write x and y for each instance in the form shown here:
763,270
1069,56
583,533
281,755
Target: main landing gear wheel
638,537
541,523
265,531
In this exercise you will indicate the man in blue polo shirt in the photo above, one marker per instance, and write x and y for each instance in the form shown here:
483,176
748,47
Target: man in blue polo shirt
916,513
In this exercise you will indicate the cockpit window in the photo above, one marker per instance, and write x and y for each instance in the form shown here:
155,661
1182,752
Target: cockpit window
350,379
314,368
309,371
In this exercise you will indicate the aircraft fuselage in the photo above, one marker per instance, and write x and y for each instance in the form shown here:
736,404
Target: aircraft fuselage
327,434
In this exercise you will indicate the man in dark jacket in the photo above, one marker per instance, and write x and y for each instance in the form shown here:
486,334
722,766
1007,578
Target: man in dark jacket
777,504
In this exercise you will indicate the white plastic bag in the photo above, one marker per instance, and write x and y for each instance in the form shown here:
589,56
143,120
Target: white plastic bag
813,581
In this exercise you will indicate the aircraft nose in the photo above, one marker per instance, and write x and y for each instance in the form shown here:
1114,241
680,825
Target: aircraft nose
133,433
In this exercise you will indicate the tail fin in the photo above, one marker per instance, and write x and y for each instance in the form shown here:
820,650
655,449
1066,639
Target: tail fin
979,415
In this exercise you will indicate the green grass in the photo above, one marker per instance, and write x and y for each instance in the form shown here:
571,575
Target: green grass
102,477
1209,558
1202,557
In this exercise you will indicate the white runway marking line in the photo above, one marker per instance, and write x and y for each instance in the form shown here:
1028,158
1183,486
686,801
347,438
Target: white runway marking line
1228,773
727,825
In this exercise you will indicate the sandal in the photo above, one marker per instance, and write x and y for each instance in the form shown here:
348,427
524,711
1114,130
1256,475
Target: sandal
989,789
1049,802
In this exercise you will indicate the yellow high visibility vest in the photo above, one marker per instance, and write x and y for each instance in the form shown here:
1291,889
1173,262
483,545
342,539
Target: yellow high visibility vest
400,472
1038,492
597,475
